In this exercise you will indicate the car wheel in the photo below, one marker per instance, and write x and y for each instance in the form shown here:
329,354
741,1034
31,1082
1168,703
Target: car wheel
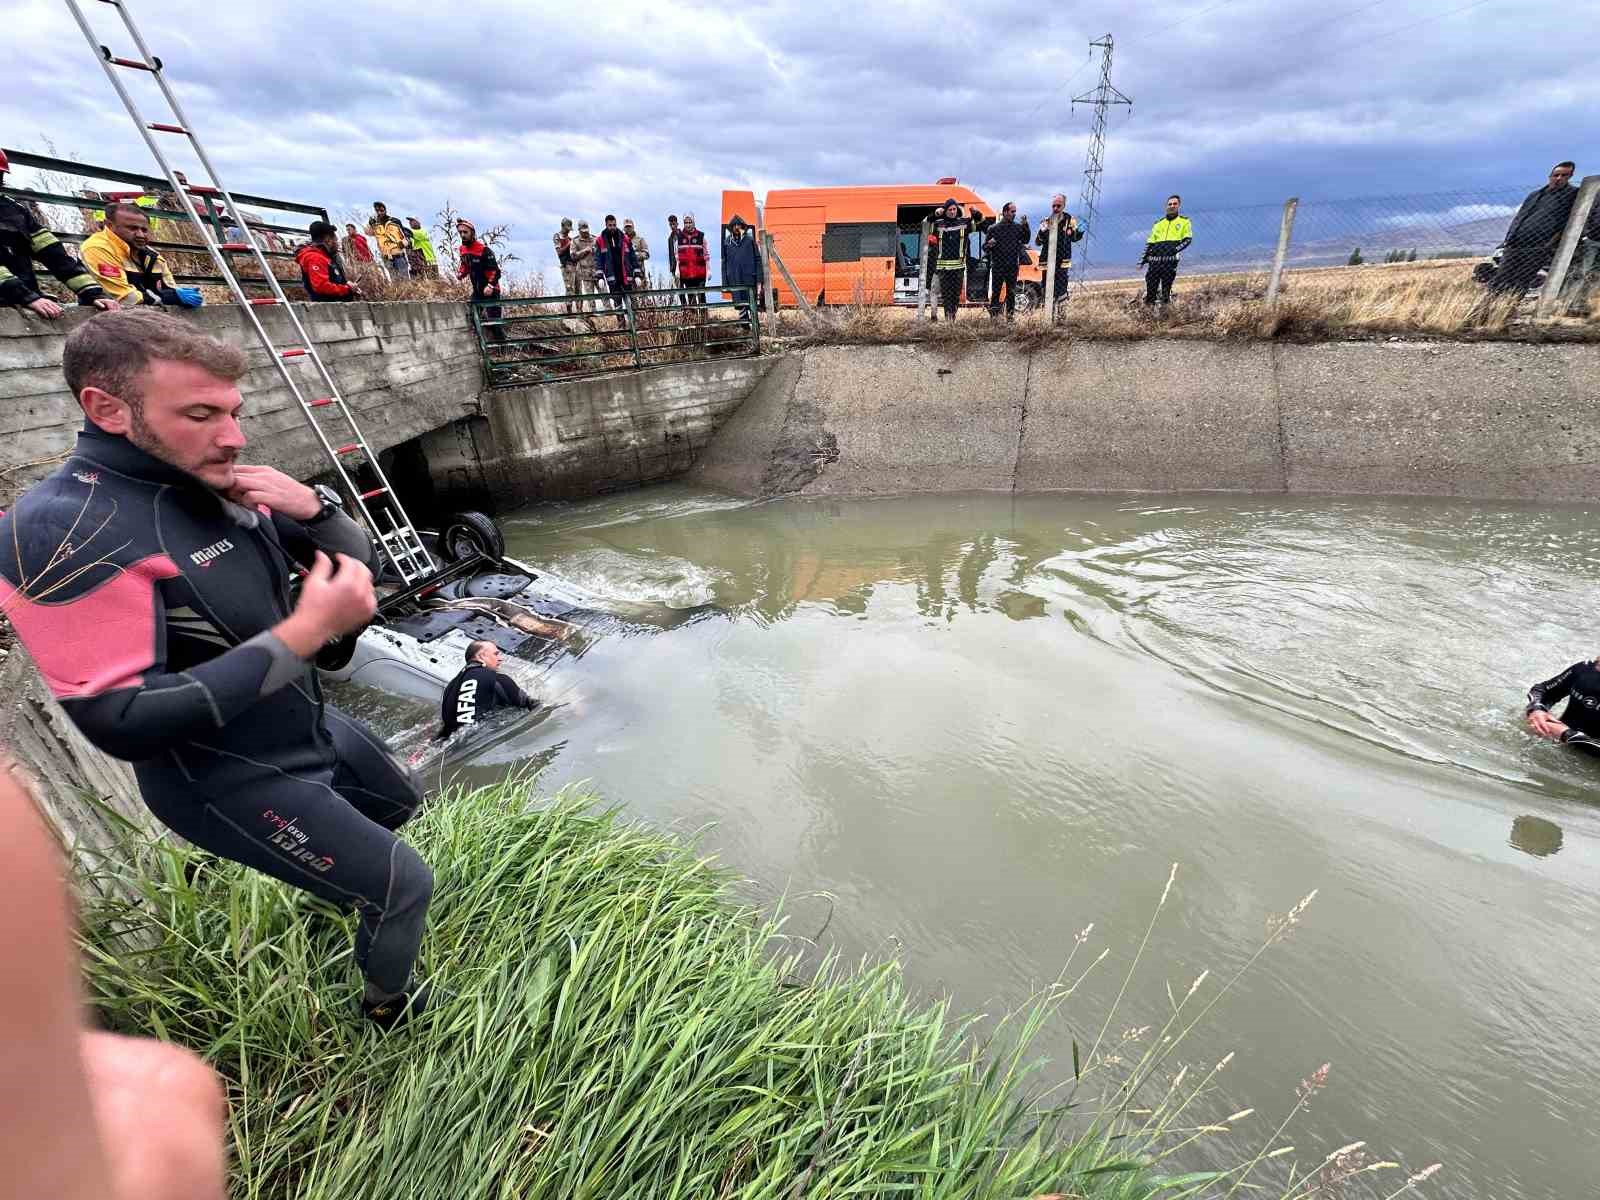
1029,297
470,533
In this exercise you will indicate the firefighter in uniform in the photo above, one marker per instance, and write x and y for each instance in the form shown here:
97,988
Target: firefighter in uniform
948,249
129,269
1071,231
22,240
1169,237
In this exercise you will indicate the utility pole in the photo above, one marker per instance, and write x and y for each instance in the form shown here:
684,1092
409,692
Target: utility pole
1103,97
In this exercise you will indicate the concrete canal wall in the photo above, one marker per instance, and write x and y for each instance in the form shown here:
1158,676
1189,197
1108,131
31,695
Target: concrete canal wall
1492,420
405,369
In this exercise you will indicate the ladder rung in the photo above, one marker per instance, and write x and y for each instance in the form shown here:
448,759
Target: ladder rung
350,449
200,189
262,301
300,353
133,64
241,247
322,403
160,128
374,492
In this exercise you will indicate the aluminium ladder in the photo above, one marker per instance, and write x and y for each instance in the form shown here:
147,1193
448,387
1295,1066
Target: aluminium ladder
340,437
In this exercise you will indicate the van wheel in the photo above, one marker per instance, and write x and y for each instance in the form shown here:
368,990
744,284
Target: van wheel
471,532
1029,297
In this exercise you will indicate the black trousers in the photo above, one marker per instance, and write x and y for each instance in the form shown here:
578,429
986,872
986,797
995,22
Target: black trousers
327,831
1003,281
497,333
950,291
1158,279
1520,267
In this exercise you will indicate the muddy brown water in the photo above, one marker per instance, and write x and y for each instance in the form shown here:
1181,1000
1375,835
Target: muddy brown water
980,723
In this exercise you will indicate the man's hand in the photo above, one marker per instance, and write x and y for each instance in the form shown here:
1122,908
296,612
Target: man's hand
45,307
332,604
1546,726
106,304
257,485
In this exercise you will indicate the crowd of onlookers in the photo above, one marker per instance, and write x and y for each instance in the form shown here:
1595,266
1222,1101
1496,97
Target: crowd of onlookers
117,263
618,261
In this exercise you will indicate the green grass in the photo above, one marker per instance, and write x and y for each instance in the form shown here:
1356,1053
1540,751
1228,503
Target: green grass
616,1024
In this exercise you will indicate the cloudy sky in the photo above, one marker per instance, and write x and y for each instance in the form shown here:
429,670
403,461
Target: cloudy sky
522,114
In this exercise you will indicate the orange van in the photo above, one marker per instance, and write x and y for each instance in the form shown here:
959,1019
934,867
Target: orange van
847,245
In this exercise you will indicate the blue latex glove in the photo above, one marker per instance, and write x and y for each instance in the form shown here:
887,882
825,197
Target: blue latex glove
190,297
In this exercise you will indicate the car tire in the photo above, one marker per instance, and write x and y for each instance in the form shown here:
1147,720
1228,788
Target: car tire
468,532
1030,296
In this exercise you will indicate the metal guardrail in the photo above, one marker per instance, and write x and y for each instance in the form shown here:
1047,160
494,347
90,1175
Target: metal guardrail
540,339
93,199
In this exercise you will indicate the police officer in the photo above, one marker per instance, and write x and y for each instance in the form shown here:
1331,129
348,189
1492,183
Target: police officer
1169,238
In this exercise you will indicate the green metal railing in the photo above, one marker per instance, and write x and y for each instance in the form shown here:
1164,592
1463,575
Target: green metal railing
539,339
93,198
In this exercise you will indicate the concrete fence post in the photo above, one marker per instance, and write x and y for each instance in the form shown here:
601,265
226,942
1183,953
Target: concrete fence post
766,275
1051,243
1550,294
1290,206
923,287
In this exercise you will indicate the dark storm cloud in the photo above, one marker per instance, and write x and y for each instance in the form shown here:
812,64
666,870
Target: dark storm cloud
522,114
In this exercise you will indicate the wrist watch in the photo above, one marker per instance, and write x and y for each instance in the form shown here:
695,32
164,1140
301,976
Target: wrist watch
332,502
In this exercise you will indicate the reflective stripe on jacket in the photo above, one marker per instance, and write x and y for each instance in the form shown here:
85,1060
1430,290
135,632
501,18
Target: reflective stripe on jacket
1169,237
22,240
124,272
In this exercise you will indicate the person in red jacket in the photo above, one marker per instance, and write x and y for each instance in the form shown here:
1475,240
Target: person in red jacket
320,268
480,265
693,260
360,248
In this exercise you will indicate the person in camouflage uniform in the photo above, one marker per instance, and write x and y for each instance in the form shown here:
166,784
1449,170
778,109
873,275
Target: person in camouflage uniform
641,252
563,244
583,268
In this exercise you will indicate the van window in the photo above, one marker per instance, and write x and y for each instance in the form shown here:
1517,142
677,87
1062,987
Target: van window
853,242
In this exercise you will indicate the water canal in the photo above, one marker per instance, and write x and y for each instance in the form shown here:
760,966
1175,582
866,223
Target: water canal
980,723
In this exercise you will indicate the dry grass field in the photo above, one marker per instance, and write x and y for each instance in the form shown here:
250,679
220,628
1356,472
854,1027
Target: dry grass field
1437,299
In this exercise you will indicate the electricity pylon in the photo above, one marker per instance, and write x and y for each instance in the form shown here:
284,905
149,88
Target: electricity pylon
1103,97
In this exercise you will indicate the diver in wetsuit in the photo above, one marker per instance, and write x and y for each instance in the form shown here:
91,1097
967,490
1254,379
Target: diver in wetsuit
1579,684
148,576
479,690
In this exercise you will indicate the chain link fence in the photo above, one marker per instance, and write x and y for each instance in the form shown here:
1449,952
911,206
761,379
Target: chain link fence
1444,250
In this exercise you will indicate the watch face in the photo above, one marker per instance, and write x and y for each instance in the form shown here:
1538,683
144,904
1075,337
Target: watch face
328,495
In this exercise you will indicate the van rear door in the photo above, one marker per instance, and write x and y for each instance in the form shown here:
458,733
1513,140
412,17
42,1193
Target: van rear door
797,237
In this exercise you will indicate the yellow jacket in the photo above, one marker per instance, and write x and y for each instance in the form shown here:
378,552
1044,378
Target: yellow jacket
123,273
393,237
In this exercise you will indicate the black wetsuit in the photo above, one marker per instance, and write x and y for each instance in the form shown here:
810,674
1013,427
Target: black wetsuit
476,692
1580,685
147,601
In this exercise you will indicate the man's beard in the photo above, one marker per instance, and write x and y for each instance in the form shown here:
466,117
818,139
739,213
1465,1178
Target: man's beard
142,436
